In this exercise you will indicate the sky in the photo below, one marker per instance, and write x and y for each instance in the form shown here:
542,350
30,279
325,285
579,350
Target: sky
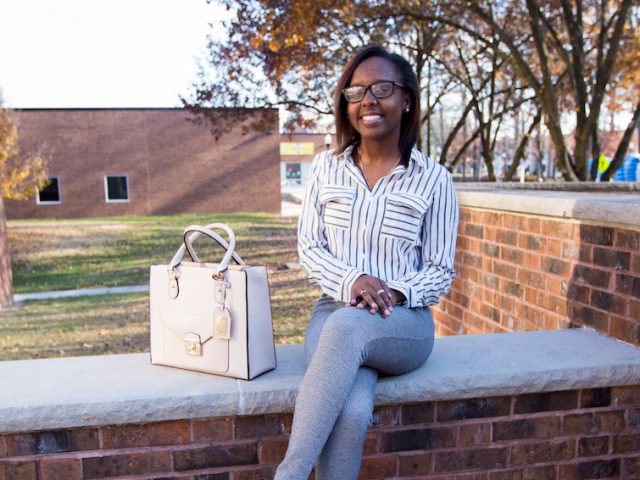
102,53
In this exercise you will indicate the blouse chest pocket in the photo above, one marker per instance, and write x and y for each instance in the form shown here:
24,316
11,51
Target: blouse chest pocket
337,203
403,216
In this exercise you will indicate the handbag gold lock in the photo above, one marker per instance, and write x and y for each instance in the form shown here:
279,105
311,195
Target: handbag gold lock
192,345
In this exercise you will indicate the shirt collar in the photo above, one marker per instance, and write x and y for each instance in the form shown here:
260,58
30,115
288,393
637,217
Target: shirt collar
416,157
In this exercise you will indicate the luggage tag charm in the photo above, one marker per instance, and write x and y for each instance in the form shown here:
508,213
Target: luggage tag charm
221,315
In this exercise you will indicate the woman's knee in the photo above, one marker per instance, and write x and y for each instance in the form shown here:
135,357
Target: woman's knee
347,323
356,414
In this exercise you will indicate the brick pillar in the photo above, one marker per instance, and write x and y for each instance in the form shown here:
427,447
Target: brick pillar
6,291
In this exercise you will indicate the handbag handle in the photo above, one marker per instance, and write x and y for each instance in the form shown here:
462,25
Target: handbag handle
193,232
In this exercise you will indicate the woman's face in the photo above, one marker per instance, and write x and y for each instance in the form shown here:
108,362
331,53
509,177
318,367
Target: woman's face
377,119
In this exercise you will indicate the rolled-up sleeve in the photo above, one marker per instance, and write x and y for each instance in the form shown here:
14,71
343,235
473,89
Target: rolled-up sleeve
334,276
439,232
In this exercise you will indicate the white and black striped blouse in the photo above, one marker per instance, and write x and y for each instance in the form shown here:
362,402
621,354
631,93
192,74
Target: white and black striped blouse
402,231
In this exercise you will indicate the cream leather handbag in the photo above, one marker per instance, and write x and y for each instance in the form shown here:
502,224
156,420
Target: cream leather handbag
211,317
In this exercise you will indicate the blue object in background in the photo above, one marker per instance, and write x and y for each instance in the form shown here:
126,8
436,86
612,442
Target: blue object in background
628,171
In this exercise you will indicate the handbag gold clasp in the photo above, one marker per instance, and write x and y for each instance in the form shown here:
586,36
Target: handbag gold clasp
192,345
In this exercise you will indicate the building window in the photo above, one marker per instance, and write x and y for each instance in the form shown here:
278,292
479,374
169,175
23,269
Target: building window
116,188
50,195
293,173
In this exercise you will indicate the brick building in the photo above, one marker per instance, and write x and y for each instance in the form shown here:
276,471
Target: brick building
147,161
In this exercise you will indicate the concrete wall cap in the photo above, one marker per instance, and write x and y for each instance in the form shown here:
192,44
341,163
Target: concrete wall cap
121,389
601,207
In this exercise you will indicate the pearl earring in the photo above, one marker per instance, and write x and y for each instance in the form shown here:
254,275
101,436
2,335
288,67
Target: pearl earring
407,108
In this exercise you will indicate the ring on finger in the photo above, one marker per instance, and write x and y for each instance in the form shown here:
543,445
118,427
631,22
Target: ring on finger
363,292
381,291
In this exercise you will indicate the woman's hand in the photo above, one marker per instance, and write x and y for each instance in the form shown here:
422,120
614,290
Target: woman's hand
375,293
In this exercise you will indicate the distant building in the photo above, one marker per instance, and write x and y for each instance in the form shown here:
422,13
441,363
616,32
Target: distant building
146,162
297,151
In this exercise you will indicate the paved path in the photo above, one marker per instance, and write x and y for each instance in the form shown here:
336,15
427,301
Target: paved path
83,292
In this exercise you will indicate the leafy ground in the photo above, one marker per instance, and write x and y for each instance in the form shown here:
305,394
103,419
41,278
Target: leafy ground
70,254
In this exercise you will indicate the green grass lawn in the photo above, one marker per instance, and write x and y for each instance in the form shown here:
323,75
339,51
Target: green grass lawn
116,251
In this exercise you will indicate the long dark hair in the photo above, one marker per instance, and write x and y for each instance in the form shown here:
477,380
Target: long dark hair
346,135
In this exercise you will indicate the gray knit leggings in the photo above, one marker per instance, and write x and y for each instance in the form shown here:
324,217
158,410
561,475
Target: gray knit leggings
345,349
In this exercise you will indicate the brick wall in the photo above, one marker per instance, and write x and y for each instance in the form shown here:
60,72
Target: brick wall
173,164
563,435
519,272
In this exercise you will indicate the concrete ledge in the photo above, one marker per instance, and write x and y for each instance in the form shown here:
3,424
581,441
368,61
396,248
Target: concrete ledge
121,389
600,207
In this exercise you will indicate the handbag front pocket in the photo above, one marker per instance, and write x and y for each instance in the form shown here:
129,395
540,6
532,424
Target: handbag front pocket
403,217
189,342
338,204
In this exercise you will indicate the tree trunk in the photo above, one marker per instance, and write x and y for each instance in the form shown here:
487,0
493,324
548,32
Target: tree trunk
6,280
621,151
522,147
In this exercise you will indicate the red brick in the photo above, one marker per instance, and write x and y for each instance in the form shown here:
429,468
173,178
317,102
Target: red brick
18,470
531,242
146,435
505,270
556,266
473,408
553,247
630,466
533,225
272,450
474,434
570,251
469,459
556,229
415,464
557,286
60,468
626,239
585,253
624,329
472,230
541,427
418,439
626,395
531,278
608,258
635,264
593,446
529,473
596,235
545,402
595,397
512,255
627,443
578,293
54,441
215,456
126,464
212,430
599,469
590,317
418,413
3,447
261,426
386,417
591,276
262,473
624,283
382,466
507,237
491,250
543,452
370,443
608,302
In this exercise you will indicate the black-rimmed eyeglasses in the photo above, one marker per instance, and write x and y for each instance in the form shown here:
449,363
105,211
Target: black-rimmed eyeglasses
381,89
